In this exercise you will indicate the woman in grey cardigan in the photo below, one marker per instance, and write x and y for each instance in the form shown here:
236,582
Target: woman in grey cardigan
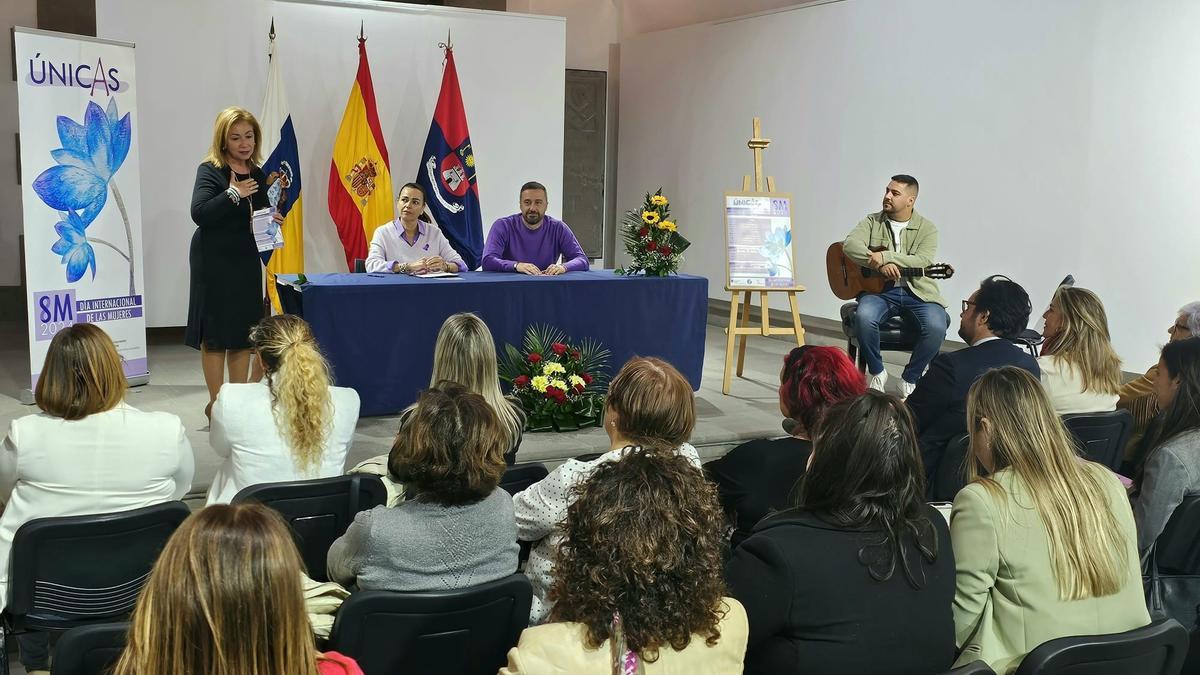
456,527
1171,470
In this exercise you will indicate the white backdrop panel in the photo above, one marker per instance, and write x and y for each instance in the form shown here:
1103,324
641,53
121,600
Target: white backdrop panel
195,58
1049,138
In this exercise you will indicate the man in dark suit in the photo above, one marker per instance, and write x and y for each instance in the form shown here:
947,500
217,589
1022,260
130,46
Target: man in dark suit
991,318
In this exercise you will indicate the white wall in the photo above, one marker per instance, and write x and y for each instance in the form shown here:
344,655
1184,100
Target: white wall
12,13
196,58
1048,137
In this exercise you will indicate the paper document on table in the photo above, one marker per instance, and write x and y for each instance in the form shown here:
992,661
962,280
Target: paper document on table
436,275
268,236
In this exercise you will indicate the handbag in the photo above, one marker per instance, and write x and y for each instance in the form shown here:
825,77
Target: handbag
1172,596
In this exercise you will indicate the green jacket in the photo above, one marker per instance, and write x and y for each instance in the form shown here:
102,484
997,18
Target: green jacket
919,241
1006,596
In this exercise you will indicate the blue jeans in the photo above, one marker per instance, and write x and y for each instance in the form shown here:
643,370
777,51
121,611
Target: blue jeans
874,309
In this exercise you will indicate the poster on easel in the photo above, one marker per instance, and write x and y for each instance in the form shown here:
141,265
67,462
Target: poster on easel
758,241
80,191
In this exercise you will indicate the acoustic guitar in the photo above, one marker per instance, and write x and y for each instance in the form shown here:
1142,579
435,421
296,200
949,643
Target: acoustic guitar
847,278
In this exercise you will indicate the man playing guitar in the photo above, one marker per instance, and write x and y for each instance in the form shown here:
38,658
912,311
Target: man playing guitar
893,238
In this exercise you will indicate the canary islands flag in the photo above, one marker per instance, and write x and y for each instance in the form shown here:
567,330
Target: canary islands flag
283,177
360,182
447,171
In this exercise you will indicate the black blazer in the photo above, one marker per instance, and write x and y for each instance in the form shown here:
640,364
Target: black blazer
756,478
814,608
939,403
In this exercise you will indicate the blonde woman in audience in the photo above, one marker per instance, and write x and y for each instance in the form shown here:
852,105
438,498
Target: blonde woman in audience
464,353
455,529
638,585
1080,370
651,406
292,425
224,597
87,452
1171,470
1137,396
1044,545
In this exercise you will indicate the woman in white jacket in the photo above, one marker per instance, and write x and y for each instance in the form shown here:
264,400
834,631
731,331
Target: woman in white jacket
293,425
87,451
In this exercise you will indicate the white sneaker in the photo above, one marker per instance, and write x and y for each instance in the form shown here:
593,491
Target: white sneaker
878,381
906,389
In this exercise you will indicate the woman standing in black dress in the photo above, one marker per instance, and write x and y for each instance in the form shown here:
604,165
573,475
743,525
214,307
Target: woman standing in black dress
226,287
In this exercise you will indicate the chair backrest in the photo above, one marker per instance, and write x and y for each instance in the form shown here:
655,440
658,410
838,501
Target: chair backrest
90,650
1177,549
83,568
1156,649
950,478
972,668
1102,435
460,632
319,511
360,265
521,476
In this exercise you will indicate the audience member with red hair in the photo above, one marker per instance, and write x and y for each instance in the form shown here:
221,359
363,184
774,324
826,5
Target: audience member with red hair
756,478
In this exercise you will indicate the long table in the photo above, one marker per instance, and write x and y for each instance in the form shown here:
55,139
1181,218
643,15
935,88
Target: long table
378,331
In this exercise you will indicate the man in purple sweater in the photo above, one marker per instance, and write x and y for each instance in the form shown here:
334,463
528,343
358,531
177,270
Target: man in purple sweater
530,242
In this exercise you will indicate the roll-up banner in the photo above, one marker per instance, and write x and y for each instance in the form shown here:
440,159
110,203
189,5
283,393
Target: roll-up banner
80,192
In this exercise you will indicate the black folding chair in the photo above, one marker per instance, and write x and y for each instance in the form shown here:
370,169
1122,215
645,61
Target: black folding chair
90,650
1102,435
76,570
319,511
520,476
1157,649
462,632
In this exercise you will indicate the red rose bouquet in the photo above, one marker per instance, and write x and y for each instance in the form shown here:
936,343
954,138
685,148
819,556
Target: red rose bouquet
560,384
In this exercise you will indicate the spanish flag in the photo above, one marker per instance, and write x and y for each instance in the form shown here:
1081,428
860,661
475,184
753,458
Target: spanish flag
360,182
283,177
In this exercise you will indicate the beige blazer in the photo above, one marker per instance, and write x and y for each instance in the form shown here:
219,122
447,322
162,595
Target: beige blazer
557,648
1006,598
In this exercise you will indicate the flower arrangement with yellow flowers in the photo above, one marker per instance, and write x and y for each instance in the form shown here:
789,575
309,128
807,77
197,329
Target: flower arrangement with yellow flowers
652,238
560,384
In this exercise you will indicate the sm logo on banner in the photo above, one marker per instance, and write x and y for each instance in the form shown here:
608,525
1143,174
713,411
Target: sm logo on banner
53,311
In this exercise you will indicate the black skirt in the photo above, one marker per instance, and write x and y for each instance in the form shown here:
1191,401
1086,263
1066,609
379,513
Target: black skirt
226,292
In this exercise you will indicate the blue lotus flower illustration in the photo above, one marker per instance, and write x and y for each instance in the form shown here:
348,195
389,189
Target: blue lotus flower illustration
78,185
77,254
776,249
90,154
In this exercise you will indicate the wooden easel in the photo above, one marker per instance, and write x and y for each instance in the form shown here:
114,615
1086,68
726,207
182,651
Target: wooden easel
740,330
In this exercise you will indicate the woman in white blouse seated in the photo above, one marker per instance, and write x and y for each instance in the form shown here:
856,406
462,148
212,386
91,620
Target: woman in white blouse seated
650,405
293,425
1080,370
87,451
410,245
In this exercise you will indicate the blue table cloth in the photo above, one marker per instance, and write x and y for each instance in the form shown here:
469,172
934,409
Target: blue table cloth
378,331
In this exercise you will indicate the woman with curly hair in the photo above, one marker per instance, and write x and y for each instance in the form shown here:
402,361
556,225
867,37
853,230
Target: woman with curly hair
757,478
292,425
859,576
638,587
650,405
